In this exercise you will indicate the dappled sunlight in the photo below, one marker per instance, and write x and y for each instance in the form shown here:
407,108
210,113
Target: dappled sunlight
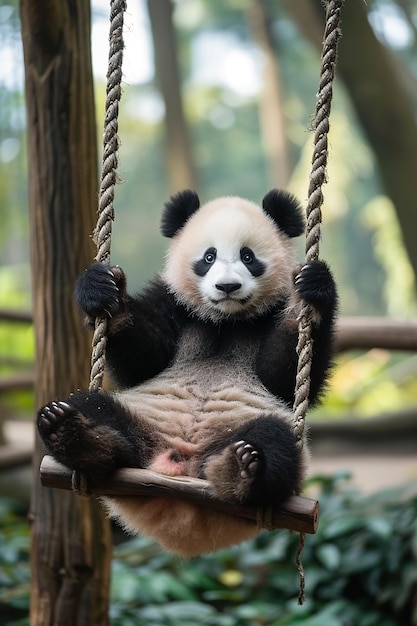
369,384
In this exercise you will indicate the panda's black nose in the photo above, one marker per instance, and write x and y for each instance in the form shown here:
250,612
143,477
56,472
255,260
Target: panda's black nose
228,287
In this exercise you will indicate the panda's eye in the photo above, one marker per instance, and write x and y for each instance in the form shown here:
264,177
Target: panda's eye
254,265
203,265
246,256
210,256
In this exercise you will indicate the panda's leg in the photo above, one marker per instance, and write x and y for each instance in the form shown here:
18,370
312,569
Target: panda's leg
93,433
259,464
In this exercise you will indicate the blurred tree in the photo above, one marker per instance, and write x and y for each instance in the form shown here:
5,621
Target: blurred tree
271,115
381,102
13,195
71,542
180,166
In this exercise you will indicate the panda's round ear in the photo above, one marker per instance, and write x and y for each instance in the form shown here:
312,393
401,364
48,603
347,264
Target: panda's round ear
285,210
177,211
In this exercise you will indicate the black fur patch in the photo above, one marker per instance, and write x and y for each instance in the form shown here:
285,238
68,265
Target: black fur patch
177,211
285,210
254,265
146,343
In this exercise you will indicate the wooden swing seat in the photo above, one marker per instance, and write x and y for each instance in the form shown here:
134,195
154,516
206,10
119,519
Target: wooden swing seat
297,513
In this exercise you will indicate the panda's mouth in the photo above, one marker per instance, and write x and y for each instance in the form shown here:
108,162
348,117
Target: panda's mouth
228,298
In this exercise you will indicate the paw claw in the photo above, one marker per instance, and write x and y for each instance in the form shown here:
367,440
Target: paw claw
49,415
65,406
57,410
248,459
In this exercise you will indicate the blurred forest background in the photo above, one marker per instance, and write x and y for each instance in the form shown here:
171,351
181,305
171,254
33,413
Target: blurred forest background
245,131
219,97
238,81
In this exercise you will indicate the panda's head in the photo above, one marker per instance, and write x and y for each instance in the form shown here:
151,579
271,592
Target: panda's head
230,258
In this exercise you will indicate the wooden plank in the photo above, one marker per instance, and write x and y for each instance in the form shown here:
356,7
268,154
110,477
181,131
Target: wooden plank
13,456
9,315
297,513
376,332
16,382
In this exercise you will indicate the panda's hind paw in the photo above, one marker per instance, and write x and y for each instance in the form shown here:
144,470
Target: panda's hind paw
248,458
51,421
235,472
69,435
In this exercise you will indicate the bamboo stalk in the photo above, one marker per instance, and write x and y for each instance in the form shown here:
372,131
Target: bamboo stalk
297,513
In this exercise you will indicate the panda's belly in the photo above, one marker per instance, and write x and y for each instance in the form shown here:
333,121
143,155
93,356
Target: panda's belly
189,406
192,405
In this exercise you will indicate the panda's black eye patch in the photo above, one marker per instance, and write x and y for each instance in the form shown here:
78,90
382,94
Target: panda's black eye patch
254,265
202,266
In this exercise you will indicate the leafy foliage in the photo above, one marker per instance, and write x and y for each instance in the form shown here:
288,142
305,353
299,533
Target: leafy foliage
16,340
17,345
14,563
360,571
366,384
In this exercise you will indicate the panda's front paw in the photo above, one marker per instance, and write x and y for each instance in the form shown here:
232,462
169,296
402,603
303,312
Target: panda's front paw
315,285
248,458
100,289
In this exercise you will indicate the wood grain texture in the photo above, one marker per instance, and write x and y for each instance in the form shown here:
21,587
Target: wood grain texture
71,541
298,513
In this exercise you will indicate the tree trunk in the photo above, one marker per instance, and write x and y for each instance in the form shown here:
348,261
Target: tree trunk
380,100
71,542
181,171
271,115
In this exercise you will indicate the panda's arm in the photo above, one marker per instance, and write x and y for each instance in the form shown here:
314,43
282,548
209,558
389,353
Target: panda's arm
142,330
146,341
277,359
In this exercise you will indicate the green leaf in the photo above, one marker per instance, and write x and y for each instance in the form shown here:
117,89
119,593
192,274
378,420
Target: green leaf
329,555
341,526
380,527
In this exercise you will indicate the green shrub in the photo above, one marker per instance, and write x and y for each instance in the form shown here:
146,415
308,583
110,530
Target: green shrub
360,570
14,563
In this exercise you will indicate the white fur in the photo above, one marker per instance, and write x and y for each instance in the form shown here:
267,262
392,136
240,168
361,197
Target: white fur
180,527
229,224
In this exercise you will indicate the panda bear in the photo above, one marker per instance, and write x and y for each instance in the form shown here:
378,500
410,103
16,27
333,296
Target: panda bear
205,363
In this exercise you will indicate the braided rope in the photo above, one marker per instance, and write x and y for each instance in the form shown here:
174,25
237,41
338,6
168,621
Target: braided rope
103,230
315,200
